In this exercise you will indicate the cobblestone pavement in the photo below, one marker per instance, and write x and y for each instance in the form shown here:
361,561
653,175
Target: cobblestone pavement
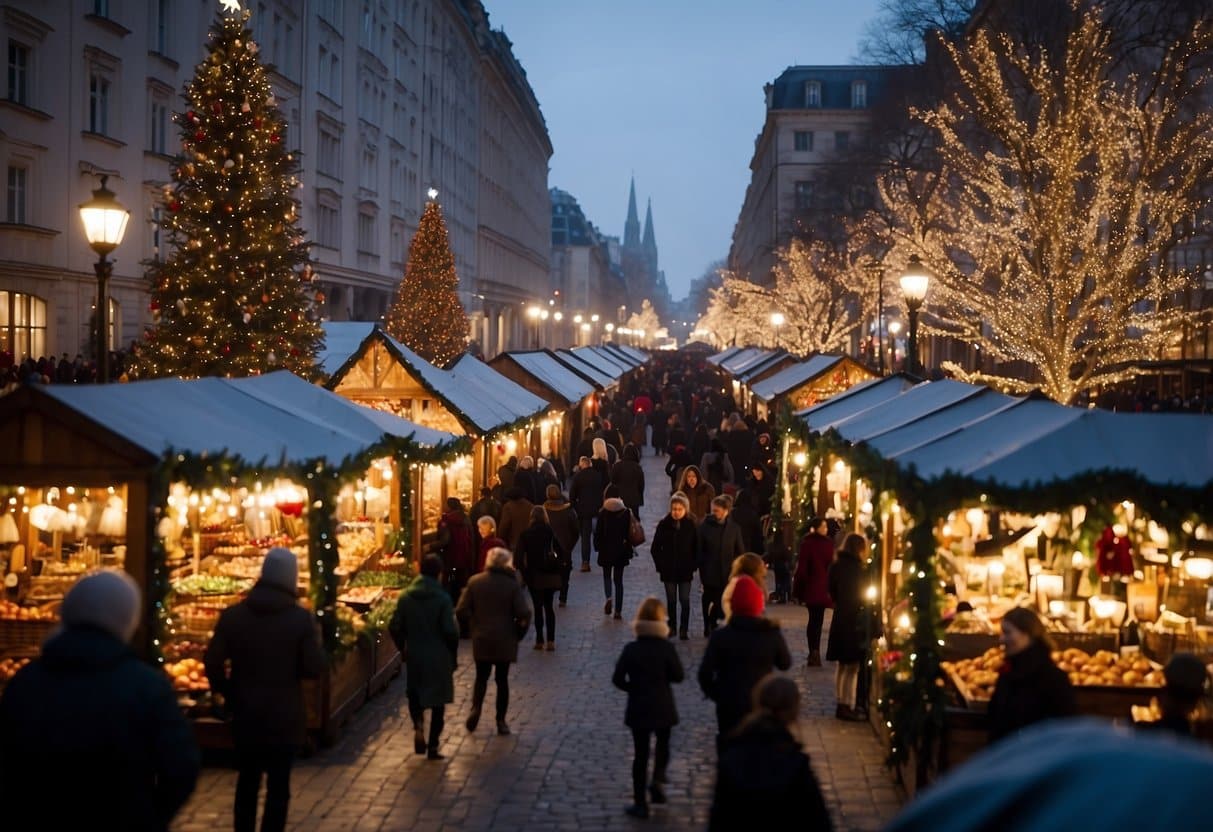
567,764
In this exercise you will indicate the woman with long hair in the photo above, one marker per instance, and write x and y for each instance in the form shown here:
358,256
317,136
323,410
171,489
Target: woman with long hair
1031,687
845,644
541,559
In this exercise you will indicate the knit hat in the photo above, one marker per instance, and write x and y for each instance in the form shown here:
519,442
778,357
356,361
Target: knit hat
679,497
107,599
280,569
553,493
1186,675
747,598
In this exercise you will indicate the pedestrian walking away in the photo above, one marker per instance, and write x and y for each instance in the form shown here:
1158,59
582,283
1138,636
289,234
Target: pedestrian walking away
515,517
457,545
750,565
262,650
495,608
541,560
424,629
628,477
566,525
646,669
585,493
811,586
763,776
674,549
91,737
738,654
614,549
845,644
719,543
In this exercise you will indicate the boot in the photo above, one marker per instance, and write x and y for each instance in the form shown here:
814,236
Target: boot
656,793
502,728
814,658
637,810
473,718
418,739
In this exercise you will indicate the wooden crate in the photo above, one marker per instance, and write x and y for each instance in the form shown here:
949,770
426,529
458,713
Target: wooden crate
333,698
385,665
957,646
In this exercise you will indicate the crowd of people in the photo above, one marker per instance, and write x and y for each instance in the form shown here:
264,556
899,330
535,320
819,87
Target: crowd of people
47,370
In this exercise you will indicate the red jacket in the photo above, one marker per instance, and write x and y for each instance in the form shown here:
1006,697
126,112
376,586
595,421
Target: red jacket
486,544
810,585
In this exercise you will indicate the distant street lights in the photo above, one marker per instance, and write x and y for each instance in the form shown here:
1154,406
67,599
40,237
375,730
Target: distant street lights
876,269
894,331
914,284
777,320
533,312
104,221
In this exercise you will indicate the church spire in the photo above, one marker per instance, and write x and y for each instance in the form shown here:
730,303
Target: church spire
631,229
650,237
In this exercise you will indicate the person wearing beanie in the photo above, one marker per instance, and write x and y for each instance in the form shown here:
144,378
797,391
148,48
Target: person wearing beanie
566,525
749,564
738,654
87,712
1186,682
262,650
645,670
674,546
614,548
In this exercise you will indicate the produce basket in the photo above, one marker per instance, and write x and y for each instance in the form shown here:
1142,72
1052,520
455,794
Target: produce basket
18,635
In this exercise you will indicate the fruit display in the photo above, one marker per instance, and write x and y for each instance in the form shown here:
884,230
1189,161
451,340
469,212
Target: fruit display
361,595
978,676
16,612
177,650
242,567
210,585
353,548
9,667
380,577
187,675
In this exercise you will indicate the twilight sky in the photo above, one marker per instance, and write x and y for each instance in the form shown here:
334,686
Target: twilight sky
671,91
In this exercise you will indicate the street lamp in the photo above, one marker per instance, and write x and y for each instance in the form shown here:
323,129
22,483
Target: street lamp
533,313
777,320
894,330
914,283
104,221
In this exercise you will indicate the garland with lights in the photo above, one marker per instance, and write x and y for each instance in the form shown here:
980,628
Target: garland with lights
426,315
233,297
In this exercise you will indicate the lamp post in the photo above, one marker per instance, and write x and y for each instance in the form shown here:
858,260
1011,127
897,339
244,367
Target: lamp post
777,320
877,271
894,330
914,283
533,312
104,221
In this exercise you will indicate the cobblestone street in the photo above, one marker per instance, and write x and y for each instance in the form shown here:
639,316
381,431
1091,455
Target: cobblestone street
566,766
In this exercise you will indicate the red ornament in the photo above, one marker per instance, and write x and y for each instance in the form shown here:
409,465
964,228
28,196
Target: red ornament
227,348
154,305
174,206
217,108
199,136
227,206
192,116
257,122
275,138
294,352
265,298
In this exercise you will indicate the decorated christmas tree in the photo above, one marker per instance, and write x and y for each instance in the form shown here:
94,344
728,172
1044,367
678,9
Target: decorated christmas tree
233,297
426,315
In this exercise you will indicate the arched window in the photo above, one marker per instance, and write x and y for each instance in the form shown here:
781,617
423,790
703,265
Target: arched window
22,325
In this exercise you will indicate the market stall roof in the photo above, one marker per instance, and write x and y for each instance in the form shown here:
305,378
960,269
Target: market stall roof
723,355
736,363
914,403
513,401
789,378
872,393
342,340
614,367
261,420
764,363
548,369
931,426
599,376
640,355
617,351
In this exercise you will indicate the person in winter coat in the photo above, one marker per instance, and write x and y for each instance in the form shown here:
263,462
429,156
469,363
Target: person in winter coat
699,492
495,609
639,433
614,548
262,650
747,564
811,586
566,525
719,543
458,547
660,429
486,506
646,669
505,474
528,480
585,494
91,737
628,477
603,458
1187,682
486,530
717,467
762,486
423,627
1031,688
739,444
541,560
676,434
549,475
677,463
701,443
674,547
845,644
739,654
745,514
515,517
763,776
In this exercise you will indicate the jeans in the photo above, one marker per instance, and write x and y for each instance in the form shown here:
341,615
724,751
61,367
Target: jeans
437,719
713,610
640,762
481,685
587,536
817,618
675,594
613,574
275,764
542,600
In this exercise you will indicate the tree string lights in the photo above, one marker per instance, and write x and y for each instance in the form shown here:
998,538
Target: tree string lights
234,296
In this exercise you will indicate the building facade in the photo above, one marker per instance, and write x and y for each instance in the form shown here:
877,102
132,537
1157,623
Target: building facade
383,99
587,272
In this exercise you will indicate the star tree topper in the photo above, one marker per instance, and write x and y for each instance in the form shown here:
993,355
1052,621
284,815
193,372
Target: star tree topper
230,5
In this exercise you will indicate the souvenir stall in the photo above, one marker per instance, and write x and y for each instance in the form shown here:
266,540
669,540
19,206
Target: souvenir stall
540,372
980,502
805,384
186,485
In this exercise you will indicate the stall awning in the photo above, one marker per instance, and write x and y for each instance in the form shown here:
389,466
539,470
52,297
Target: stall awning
945,420
916,402
715,360
857,399
604,361
616,352
342,340
789,378
548,369
640,355
746,358
510,400
599,376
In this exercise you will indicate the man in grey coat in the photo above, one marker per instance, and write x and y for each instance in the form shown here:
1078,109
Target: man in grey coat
720,541
495,609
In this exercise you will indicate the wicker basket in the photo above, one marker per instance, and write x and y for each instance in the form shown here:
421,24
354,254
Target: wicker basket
17,635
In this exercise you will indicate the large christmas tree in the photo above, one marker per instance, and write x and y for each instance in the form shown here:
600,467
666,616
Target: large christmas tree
233,297
426,315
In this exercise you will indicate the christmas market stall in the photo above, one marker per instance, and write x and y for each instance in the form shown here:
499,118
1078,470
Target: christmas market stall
604,380
541,372
500,418
614,366
800,383
978,502
186,485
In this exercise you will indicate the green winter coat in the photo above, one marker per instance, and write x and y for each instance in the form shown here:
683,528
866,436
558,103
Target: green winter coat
424,629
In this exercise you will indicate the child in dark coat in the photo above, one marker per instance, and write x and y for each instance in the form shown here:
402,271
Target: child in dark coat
646,669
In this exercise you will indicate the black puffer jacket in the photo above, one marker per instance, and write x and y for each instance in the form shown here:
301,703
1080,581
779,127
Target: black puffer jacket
273,645
611,534
646,669
1031,689
628,477
737,656
674,548
763,780
92,738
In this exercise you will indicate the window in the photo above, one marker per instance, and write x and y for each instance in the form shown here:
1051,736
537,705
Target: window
98,103
328,157
803,140
22,325
113,330
156,235
18,73
329,70
399,236
842,140
367,173
331,12
160,27
328,220
16,209
812,93
158,125
101,8
803,195
396,181
859,94
368,242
